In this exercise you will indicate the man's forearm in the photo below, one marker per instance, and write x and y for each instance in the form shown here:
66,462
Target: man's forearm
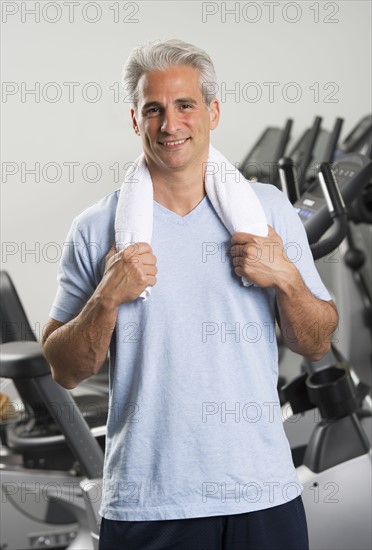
306,322
78,349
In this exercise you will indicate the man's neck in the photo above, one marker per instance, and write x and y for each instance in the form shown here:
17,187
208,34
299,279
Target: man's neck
178,190
182,200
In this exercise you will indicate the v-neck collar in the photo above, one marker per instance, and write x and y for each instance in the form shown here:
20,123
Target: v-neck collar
163,212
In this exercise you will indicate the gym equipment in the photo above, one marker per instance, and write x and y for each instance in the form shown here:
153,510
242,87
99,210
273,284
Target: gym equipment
334,466
35,437
296,174
261,161
315,146
355,306
355,267
36,461
354,173
359,140
39,488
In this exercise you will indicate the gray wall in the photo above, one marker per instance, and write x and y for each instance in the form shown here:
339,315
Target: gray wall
317,54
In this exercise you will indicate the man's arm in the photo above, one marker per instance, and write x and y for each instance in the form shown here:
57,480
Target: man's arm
78,349
306,322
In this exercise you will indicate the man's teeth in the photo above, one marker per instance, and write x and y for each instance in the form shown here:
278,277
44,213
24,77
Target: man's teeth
171,143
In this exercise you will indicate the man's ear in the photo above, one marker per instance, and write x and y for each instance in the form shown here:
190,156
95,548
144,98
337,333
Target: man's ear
134,122
214,113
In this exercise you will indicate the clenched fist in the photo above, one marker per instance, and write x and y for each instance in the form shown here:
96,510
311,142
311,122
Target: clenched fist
127,273
261,259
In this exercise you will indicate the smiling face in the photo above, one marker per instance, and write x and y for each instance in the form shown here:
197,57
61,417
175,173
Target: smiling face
173,120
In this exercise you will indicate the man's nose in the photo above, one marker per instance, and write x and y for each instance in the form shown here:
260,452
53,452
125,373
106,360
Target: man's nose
170,123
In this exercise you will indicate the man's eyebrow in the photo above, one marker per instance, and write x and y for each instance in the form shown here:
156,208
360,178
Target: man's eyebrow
186,100
179,100
151,104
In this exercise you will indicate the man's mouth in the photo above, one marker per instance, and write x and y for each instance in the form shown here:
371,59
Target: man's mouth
173,144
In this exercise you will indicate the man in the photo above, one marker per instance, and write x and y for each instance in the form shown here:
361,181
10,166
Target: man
196,456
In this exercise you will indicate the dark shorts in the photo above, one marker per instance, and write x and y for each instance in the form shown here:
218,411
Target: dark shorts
279,528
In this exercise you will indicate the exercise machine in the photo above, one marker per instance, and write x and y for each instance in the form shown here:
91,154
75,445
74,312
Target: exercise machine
334,464
359,139
40,473
261,162
37,488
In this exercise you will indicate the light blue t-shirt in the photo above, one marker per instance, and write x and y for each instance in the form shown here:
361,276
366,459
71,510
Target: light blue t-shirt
194,425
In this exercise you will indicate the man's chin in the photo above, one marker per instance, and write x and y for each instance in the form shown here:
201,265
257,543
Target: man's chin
173,161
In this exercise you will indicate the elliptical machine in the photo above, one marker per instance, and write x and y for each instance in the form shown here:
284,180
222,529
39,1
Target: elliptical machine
39,472
335,465
19,484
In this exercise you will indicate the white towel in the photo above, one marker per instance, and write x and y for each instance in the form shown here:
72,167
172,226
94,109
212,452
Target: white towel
134,211
231,195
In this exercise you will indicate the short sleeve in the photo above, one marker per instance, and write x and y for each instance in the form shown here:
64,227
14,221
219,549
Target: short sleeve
82,265
76,277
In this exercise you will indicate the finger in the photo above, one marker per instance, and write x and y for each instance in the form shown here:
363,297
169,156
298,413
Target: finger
152,281
238,261
148,259
248,252
273,236
151,270
238,271
237,250
143,248
271,231
136,247
132,252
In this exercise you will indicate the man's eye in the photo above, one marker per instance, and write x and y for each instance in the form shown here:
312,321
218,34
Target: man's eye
152,111
186,106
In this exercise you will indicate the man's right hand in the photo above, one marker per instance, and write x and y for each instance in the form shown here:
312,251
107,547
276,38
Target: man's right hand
81,346
127,273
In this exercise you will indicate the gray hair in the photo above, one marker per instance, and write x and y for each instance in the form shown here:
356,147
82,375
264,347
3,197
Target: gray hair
158,56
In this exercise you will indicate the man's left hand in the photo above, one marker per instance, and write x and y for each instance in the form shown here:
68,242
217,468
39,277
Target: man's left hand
262,260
